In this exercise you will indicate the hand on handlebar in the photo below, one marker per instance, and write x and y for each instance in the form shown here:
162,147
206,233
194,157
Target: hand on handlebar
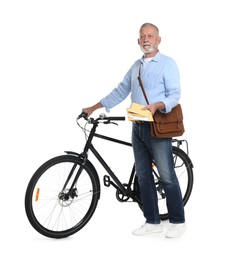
86,112
90,110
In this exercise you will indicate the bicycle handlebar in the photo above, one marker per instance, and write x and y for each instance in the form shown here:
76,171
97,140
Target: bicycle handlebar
84,115
101,117
115,118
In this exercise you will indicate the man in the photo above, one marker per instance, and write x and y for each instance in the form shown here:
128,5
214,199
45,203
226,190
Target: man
160,78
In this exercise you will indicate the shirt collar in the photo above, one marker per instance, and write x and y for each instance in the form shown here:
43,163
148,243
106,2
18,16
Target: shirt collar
155,58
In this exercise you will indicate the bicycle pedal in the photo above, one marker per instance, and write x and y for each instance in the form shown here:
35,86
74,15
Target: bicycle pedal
106,180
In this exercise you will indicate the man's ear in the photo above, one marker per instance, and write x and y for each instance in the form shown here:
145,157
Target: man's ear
138,42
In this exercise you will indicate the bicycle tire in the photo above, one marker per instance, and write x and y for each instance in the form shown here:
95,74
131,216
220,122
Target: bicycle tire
184,172
47,212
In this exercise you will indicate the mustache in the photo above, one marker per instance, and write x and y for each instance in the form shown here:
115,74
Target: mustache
146,44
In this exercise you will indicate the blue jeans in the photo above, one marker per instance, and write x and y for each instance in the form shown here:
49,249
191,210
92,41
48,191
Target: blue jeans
146,148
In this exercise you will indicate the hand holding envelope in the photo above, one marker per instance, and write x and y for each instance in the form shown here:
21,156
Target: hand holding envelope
135,113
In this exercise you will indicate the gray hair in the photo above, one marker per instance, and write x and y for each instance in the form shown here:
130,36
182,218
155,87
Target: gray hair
150,24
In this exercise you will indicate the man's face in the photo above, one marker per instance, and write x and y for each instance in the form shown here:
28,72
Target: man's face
149,40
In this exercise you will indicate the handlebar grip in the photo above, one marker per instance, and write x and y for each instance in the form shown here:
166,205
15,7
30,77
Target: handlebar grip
84,115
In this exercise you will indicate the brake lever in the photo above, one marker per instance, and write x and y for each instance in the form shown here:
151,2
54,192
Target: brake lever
109,122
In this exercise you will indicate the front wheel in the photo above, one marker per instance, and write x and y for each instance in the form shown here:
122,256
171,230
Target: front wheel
55,207
184,173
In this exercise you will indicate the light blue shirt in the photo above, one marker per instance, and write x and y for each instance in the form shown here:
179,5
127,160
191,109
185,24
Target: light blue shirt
160,78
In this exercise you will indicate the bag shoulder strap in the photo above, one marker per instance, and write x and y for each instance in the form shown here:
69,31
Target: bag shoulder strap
142,87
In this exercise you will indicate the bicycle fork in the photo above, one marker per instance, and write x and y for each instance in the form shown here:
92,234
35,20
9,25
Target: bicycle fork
72,192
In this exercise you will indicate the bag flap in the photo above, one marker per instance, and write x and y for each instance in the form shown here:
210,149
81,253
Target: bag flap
175,115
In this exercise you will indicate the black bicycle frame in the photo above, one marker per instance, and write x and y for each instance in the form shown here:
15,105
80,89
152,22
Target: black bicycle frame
83,157
117,183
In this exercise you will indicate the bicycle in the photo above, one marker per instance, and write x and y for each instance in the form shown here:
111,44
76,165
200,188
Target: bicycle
63,193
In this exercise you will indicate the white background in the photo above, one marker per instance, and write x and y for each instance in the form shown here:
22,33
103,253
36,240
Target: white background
57,57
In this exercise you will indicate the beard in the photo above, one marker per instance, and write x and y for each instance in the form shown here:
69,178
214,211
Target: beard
147,51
